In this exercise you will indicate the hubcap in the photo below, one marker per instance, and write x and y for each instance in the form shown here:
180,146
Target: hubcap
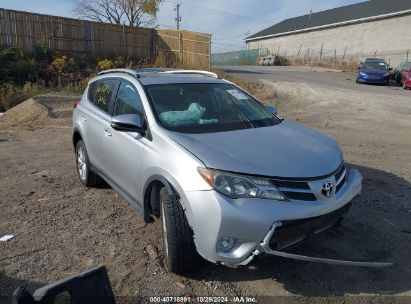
164,228
81,163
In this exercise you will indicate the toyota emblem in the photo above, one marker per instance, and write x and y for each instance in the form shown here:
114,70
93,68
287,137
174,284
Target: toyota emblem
327,189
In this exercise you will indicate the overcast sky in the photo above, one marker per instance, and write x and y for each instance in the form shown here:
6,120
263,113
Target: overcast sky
208,16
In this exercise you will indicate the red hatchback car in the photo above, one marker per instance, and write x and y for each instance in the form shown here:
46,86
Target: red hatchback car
406,79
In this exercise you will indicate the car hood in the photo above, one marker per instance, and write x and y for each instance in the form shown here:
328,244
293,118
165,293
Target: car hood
286,150
375,72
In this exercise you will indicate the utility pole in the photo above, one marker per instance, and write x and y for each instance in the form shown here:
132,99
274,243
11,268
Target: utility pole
178,18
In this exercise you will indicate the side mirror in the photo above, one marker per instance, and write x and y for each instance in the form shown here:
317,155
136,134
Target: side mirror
128,123
272,109
359,68
390,69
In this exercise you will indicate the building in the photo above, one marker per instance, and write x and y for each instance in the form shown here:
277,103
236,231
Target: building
376,28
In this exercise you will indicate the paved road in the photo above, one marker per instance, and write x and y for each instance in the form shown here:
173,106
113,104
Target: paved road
341,81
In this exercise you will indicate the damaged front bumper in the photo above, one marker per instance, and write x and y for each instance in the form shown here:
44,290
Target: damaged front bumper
264,226
264,247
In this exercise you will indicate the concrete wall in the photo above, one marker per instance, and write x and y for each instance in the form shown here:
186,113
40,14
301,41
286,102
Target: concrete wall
385,38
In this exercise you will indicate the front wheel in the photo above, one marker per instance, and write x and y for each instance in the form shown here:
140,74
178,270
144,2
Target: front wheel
86,176
180,254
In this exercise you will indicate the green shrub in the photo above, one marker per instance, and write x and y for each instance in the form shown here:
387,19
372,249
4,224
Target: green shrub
16,67
42,53
24,70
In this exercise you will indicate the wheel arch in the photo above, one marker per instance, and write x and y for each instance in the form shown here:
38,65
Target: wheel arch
151,195
76,137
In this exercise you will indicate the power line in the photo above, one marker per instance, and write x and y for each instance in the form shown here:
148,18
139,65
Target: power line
233,37
222,13
240,45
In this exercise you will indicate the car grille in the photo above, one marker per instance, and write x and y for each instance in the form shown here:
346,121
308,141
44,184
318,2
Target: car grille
294,231
300,189
374,76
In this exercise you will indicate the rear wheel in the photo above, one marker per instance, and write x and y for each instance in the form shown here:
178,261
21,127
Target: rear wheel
180,254
86,176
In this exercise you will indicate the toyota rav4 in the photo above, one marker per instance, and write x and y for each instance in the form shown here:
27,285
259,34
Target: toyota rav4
227,178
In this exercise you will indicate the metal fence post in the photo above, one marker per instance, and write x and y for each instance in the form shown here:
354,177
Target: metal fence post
345,52
321,52
299,50
335,57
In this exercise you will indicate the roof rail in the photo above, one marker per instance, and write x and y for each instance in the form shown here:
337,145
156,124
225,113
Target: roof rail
127,71
194,72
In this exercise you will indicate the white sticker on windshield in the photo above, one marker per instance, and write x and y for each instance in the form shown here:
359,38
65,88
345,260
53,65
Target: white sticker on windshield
237,94
382,63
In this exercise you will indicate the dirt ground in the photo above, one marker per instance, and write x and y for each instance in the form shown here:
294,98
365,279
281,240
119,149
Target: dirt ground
61,228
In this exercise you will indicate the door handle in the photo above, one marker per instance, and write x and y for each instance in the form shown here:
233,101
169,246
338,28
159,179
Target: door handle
107,132
84,118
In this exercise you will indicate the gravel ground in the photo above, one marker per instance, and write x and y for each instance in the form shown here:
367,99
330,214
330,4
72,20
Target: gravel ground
61,228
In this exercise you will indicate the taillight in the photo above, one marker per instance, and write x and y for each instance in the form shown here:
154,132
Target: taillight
75,104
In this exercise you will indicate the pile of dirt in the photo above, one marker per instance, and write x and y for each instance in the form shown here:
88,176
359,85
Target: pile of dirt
29,112
41,111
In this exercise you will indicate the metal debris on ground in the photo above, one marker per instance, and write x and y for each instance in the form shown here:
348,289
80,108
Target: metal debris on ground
6,237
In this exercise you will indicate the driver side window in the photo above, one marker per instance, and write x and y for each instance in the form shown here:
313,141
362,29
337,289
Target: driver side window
128,100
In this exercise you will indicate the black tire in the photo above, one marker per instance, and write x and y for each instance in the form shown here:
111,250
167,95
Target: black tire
87,177
180,254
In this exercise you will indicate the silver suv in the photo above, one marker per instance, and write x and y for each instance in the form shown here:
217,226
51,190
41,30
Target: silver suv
227,177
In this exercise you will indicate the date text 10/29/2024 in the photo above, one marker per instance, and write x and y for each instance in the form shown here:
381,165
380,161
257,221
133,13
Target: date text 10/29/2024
206,299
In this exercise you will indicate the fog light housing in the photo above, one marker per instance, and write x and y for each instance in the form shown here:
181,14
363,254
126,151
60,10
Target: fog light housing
225,243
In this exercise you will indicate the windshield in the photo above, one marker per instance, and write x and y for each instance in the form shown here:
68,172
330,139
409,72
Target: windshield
374,65
207,108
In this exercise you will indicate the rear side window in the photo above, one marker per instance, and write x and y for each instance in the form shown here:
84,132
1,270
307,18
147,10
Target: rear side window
128,101
91,90
103,91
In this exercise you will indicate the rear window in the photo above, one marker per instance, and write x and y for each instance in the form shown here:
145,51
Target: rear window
101,93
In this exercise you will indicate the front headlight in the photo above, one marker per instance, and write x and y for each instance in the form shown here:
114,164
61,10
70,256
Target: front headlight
241,186
363,74
386,74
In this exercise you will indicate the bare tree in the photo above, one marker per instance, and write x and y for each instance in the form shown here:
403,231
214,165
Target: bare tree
129,12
